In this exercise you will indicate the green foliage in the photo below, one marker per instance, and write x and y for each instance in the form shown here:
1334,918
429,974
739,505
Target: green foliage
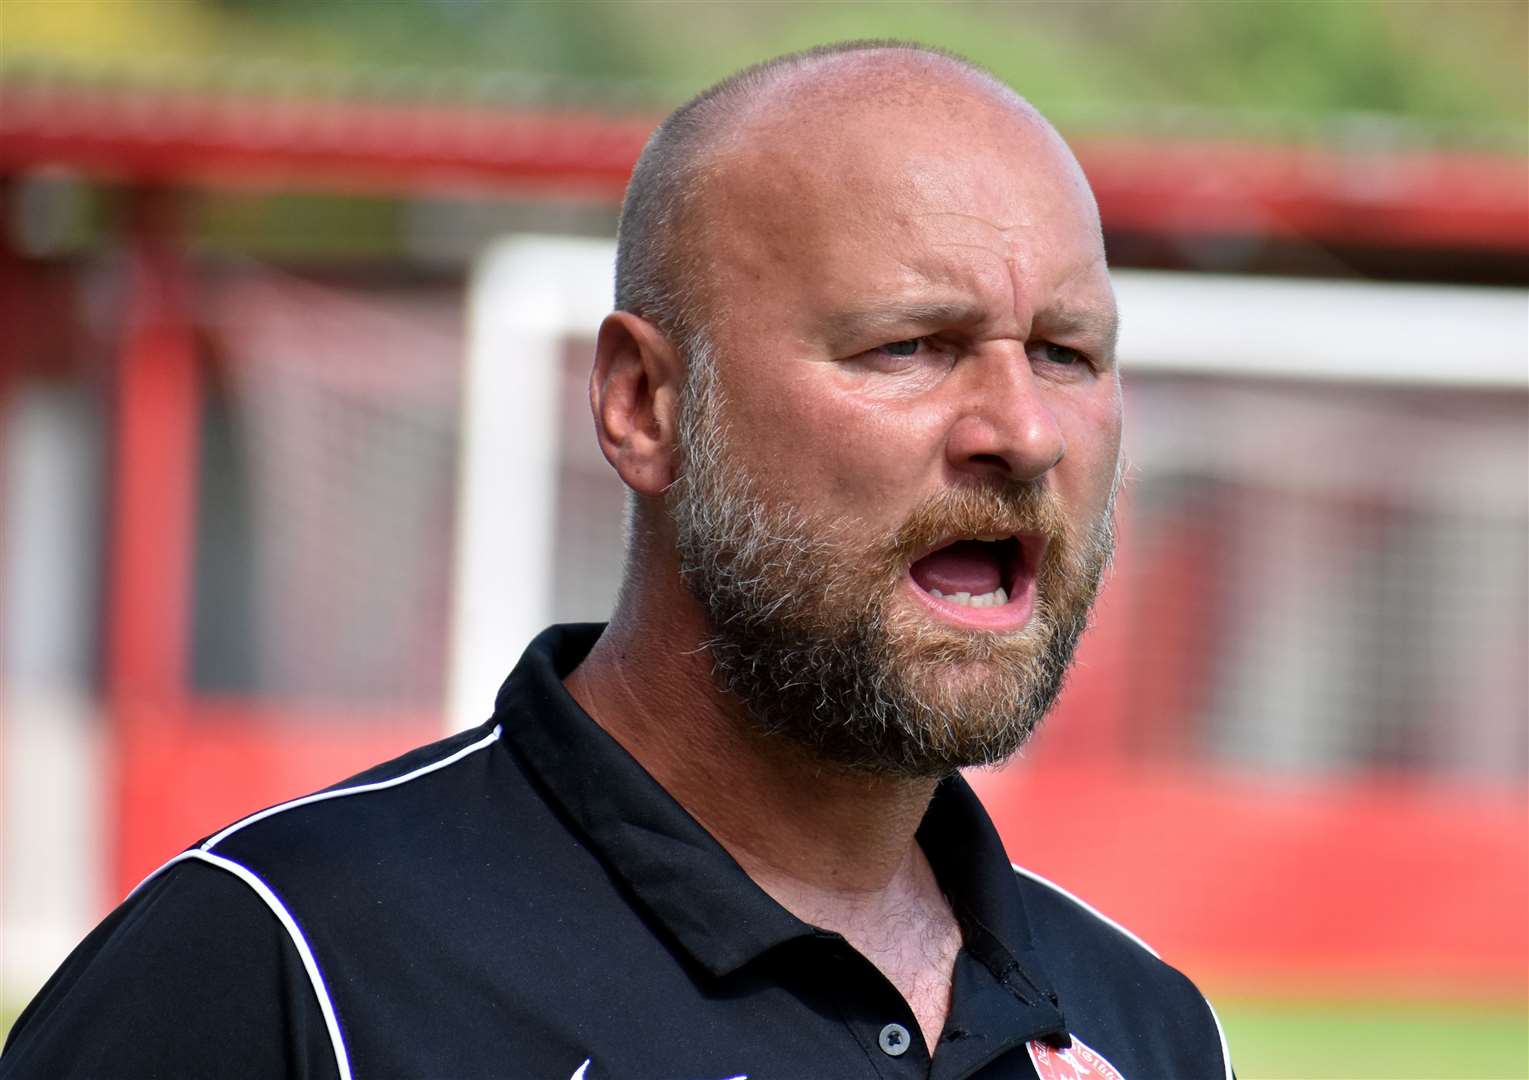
1455,67
1313,55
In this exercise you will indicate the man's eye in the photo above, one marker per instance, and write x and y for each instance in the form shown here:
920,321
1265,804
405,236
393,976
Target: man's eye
1061,354
902,348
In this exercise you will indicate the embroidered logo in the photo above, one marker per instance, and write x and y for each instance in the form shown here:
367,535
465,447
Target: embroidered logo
1078,1062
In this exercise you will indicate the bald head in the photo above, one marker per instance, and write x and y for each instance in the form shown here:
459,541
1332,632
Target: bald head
662,257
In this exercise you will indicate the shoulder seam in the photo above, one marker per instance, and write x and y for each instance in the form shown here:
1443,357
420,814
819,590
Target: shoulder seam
1085,905
359,789
310,963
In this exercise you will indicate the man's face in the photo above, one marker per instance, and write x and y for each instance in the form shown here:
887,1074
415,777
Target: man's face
900,459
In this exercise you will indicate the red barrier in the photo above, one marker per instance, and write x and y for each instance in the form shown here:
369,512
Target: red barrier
183,772
1240,878
1243,878
1424,199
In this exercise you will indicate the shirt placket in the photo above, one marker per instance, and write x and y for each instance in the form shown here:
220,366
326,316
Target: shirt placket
876,1016
992,1016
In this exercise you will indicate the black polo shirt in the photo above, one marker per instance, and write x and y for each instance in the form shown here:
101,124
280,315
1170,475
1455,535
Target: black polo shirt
524,901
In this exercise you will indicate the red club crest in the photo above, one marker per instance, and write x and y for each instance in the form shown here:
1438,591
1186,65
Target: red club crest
1078,1062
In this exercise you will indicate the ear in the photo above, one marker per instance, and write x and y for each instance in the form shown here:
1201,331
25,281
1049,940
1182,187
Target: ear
634,393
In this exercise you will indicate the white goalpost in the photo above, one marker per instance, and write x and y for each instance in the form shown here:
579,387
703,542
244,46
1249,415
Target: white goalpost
528,299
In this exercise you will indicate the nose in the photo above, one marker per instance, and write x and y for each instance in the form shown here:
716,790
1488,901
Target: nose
1006,428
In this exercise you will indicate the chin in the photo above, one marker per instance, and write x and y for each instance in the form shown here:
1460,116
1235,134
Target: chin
959,690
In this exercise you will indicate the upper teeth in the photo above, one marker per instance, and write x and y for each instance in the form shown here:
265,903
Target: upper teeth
996,598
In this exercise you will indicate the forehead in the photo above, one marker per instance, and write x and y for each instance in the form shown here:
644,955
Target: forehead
831,200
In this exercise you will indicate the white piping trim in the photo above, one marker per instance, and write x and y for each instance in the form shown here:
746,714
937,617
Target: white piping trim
204,853
310,965
359,789
1084,904
1226,1054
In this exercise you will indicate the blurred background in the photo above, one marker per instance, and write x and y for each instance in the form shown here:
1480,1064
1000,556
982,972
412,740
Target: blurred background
296,304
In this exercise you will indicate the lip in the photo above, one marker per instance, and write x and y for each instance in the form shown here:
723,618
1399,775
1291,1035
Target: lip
1006,619
1031,545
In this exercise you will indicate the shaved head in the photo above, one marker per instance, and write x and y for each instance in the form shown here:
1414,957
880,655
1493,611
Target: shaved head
661,261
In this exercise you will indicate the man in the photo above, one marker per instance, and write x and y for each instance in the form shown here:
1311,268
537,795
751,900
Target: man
861,384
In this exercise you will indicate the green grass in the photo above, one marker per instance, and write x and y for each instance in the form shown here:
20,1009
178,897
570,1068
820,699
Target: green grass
1286,1039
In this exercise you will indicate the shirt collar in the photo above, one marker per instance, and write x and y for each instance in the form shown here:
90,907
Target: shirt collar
687,881
677,870
969,861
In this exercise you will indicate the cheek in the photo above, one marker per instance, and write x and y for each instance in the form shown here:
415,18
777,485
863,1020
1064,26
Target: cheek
880,457
835,446
1092,428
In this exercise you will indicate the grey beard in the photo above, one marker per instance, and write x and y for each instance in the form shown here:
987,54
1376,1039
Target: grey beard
802,630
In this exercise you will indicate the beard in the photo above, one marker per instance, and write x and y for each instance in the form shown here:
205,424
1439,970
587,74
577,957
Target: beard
806,631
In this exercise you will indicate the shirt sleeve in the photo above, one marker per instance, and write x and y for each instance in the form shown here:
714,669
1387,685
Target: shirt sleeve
193,976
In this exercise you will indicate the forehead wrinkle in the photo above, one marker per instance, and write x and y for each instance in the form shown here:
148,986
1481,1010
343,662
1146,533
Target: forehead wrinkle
968,246
962,215
1101,315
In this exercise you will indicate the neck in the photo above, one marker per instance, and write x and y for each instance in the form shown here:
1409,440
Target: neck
808,833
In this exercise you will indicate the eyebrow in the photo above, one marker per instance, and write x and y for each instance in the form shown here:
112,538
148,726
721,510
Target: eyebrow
883,320
1102,324
846,327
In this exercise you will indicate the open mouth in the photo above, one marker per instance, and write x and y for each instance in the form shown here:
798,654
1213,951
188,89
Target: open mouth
979,572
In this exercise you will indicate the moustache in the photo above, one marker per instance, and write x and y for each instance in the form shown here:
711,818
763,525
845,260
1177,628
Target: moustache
1022,507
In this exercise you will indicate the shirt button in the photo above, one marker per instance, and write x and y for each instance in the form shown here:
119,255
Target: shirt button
894,1040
